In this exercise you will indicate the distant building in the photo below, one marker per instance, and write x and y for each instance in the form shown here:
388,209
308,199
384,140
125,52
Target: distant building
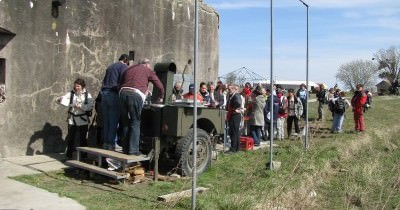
285,84
383,86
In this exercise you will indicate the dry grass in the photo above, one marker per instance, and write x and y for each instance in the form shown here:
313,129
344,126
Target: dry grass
338,171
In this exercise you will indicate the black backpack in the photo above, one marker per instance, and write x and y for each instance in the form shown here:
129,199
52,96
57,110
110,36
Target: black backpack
281,109
340,106
71,99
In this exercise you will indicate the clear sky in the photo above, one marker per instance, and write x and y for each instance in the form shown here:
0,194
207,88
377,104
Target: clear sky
340,31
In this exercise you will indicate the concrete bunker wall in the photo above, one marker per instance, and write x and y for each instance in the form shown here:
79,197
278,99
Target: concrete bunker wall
48,54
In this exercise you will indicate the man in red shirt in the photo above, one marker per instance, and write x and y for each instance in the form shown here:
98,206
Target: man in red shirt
132,95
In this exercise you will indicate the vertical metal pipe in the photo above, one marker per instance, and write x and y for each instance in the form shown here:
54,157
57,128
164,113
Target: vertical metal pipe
307,57
306,141
271,127
308,94
196,42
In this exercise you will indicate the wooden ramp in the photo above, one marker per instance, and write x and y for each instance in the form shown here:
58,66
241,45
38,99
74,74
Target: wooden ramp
102,153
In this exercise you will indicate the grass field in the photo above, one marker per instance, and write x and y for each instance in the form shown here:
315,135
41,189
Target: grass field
339,171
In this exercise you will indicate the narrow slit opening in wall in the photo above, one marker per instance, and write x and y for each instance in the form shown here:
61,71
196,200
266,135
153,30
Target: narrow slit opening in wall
2,71
2,80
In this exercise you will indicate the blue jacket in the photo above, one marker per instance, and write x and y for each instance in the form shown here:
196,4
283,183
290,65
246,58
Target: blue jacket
267,109
113,75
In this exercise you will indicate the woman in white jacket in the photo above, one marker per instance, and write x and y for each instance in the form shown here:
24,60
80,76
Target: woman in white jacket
80,104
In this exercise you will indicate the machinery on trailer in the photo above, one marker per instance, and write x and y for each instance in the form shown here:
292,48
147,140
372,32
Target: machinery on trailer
172,124
167,134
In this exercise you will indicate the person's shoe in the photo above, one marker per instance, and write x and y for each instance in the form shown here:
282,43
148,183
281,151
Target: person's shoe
256,145
118,148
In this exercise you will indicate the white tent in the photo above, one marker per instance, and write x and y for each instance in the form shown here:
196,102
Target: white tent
287,84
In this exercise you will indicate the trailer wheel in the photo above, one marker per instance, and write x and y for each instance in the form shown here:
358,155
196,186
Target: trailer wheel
184,151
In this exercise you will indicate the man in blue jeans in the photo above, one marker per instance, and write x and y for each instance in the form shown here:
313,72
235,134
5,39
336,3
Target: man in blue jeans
110,102
132,96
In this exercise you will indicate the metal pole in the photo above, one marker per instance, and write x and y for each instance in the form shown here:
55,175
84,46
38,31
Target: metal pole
196,42
271,127
307,85
308,94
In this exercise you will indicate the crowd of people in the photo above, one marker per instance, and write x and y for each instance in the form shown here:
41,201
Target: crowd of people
249,110
125,88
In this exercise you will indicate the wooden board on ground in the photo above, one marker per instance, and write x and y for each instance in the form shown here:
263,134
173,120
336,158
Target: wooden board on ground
179,195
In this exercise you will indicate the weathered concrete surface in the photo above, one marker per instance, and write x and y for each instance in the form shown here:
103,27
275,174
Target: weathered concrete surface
17,195
48,54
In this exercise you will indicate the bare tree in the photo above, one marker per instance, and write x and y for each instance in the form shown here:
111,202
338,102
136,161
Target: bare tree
388,61
241,79
358,72
231,78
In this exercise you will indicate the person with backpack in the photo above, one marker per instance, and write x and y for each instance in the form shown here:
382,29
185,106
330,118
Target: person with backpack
80,104
282,114
295,110
332,94
321,98
357,102
368,104
302,94
256,120
340,104
268,116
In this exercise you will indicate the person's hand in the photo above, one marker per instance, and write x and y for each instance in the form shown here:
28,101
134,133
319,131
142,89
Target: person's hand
148,93
78,105
160,100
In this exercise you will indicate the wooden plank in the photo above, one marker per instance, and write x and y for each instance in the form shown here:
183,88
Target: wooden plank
114,155
156,157
179,195
95,169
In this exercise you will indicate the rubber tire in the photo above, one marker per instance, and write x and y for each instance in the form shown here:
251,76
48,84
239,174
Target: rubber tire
184,148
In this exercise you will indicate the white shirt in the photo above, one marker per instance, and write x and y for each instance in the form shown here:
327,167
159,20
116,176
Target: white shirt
78,114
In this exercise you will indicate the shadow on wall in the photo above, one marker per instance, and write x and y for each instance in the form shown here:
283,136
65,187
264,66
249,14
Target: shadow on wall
52,141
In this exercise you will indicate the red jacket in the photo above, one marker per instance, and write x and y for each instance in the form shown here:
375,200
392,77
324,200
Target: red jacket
358,101
247,92
190,96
